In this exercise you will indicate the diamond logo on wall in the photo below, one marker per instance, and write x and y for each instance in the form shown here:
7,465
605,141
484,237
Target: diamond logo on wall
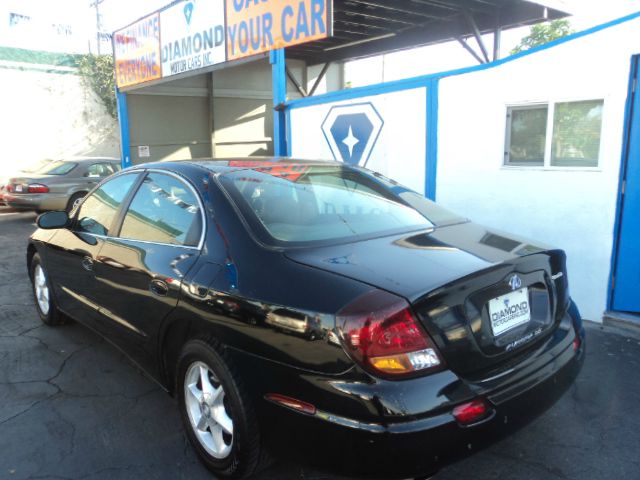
352,132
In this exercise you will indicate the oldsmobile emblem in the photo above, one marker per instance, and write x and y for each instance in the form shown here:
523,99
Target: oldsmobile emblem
515,282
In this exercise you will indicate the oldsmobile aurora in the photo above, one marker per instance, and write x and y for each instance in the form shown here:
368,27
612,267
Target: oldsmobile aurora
313,310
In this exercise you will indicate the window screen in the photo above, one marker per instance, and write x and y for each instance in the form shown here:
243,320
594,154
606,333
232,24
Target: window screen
99,209
163,210
526,135
576,134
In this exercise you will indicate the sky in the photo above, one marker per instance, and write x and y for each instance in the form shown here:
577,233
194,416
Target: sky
52,15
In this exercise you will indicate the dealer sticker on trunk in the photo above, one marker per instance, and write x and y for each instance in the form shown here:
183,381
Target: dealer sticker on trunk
509,311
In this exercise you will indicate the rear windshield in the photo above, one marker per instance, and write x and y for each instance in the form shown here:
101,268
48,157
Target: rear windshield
302,204
37,166
58,168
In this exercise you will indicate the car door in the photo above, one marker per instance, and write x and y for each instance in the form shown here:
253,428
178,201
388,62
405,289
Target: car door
71,252
140,270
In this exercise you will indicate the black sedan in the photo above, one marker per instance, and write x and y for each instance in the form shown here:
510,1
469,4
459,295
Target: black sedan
313,310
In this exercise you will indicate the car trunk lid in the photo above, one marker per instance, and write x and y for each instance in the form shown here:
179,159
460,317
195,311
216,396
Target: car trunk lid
19,185
455,278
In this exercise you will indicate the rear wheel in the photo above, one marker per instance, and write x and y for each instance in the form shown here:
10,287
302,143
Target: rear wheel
43,294
74,201
216,411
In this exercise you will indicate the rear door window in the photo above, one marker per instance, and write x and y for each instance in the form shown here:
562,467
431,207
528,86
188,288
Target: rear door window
163,210
98,211
100,170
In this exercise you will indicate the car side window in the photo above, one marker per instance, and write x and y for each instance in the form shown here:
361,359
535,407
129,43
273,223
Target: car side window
99,209
163,210
99,170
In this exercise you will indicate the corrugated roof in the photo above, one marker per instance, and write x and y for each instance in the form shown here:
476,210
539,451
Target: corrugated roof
370,27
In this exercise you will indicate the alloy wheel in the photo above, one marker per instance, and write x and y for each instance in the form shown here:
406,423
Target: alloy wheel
207,410
42,289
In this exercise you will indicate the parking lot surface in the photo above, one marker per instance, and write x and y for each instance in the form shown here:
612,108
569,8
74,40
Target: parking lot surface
73,407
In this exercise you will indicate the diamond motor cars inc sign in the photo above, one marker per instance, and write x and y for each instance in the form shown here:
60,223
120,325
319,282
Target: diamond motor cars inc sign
192,36
196,34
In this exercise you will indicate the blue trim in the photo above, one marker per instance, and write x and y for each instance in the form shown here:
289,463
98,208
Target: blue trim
422,80
279,82
623,171
123,122
353,93
431,170
287,114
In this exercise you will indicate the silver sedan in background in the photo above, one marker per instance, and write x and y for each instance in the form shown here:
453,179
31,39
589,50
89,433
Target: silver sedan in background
58,184
23,171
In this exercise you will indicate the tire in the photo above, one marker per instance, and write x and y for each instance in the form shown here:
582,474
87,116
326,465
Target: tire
74,201
43,294
223,429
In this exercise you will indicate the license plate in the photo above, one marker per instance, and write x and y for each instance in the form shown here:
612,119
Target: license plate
18,188
509,311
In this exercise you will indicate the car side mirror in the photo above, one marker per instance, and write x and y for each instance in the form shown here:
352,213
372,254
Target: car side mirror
51,220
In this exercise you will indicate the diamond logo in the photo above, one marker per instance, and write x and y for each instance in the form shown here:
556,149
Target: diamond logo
352,132
188,11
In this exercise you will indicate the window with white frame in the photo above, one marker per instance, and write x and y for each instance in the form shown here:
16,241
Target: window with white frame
563,134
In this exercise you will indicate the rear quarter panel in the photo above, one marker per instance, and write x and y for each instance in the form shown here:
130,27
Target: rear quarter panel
236,288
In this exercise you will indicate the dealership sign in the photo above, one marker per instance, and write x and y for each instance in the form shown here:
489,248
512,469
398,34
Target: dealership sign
196,34
136,50
370,131
192,35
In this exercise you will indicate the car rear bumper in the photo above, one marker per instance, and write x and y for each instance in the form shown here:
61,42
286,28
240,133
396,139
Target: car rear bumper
36,201
411,445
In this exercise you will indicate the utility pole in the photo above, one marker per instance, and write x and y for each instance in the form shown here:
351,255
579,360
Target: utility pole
96,4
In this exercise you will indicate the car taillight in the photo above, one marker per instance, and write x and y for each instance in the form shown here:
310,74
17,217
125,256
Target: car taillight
576,343
471,412
37,188
379,332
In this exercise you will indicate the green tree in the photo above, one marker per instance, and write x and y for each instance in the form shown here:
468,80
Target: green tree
542,33
98,71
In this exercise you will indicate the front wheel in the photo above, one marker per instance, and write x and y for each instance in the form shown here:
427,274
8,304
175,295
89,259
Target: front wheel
74,201
216,411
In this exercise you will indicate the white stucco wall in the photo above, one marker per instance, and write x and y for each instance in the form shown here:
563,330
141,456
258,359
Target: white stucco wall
46,115
570,208
398,150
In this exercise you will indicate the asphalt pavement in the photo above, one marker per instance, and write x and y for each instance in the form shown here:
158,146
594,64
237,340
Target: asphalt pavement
73,407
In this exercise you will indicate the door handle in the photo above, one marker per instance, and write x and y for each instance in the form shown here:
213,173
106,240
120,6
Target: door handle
158,287
87,264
